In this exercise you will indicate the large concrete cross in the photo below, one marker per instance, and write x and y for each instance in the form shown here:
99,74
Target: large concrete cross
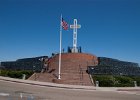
75,27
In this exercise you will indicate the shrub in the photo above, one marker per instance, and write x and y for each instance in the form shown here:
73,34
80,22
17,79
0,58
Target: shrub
136,78
115,81
123,81
104,81
15,74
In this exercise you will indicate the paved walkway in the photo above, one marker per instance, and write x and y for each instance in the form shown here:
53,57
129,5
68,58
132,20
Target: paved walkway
70,86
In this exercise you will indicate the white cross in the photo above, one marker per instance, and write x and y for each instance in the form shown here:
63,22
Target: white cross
75,27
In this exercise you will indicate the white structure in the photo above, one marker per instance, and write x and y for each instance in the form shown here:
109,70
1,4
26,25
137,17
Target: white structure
75,27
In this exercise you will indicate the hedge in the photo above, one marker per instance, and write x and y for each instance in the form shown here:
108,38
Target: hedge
15,74
116,81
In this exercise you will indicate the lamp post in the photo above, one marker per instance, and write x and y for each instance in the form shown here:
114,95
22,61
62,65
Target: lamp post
34,70
41,62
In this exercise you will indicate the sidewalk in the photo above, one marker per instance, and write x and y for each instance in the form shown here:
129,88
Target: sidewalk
48,84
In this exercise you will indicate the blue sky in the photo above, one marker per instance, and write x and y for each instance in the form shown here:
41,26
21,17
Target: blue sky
109,28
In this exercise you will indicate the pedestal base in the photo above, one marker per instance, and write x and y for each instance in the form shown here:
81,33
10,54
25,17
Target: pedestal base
74,50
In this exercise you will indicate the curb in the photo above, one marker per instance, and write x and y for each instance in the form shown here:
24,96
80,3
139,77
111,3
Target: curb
64,86
48,84
132,89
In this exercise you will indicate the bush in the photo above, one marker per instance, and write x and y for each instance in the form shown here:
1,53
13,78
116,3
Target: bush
116,81
104,81
124,81
136,78
15,74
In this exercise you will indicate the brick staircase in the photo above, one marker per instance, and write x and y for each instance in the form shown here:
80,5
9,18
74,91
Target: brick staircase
73,69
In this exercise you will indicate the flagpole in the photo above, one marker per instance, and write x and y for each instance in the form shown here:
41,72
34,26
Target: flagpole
59,71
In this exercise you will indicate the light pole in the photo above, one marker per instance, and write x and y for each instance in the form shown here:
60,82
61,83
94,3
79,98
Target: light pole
34,70
41,62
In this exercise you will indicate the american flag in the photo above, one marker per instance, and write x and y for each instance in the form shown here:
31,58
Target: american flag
64,24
